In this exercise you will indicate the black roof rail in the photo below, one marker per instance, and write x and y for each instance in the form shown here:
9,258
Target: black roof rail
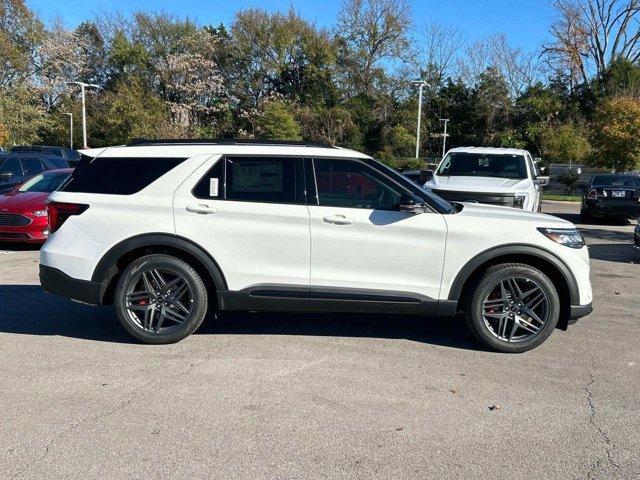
224,141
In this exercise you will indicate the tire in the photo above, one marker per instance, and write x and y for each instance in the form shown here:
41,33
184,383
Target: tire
585,216
160,317
485,321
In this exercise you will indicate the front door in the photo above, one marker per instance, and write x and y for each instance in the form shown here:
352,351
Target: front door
362,246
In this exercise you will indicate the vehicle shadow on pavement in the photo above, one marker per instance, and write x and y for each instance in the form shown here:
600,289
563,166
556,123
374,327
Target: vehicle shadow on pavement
445,332
29,310
614,252
19,247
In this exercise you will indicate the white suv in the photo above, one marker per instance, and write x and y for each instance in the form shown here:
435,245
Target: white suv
170,230
496,176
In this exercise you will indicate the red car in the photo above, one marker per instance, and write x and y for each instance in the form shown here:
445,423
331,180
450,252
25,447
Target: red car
23,214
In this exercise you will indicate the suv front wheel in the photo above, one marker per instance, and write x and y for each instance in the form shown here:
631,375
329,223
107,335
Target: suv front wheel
160,299
513,308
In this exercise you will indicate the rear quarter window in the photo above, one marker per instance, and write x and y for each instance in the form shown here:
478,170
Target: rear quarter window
119,175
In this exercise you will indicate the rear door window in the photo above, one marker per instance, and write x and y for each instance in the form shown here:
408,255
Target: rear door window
254,179
32,165
12,165
119,175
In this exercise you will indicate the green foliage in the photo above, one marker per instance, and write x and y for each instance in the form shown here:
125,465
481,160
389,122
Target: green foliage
278,123
616,134
129,111
564,143
401,142
276,75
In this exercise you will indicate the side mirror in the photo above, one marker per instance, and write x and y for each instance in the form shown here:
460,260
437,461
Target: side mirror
411,203
6,175
542,181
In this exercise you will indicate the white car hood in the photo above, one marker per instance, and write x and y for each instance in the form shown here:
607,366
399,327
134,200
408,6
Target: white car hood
477,184
482,211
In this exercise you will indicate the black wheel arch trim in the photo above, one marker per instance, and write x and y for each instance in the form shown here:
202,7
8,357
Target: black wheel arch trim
107,268
515,249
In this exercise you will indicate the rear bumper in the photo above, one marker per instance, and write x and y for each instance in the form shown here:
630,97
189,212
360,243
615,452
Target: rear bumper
58,282
612,208
579,311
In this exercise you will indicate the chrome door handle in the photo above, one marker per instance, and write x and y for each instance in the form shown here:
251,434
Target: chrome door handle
202,209
338,220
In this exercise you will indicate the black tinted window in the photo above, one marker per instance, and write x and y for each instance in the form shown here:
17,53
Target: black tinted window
346,183
11,165
616,181
32,165
212,184
261,179
119,176
57,162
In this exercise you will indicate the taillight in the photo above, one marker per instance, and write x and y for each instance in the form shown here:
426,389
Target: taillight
592,193
59,212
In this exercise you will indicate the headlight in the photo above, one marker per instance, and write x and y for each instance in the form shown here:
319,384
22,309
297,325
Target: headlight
39,213
569,237
518,201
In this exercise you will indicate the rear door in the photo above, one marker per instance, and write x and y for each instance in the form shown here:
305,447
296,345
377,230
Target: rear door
362,247
250,214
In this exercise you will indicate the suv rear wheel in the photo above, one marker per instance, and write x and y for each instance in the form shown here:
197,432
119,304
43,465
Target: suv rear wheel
160,299
513,308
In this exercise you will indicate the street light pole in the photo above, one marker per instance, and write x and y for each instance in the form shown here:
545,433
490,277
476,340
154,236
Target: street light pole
70,128
421,84
444,136
84,86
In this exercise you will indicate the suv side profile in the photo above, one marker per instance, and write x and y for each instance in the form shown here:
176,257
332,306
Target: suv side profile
496,176
168,231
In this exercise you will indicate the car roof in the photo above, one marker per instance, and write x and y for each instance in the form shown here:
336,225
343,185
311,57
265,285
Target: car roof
191,149
490,150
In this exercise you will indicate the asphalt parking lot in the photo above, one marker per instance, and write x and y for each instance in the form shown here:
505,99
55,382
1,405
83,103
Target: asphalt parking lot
319,396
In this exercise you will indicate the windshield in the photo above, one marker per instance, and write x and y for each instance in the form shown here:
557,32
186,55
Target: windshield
45,183
483,165
616,181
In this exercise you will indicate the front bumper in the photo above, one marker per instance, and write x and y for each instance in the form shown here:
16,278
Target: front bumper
579,311
58,282
35,232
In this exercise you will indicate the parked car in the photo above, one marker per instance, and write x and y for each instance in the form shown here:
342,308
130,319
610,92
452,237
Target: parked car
72,157
611,196
636,237
195,227
498,176
18,167
23,214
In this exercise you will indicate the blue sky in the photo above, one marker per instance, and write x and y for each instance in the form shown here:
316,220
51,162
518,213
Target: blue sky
525,22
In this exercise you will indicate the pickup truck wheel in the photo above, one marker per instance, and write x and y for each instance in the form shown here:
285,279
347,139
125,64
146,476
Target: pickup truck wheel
160,299
513,308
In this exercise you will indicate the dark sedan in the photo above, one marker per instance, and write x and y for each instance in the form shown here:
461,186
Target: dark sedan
611,196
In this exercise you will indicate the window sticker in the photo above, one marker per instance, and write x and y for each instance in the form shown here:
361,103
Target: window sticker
213,187
258,177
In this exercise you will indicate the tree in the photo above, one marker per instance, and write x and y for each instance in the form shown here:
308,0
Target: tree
372,32
439,45
20,34
565,143
277,122
616,134
129,111
590,34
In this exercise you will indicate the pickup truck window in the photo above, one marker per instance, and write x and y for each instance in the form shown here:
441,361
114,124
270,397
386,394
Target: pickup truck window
483,165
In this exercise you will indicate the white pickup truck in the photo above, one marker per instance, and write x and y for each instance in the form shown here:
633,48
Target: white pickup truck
498,176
